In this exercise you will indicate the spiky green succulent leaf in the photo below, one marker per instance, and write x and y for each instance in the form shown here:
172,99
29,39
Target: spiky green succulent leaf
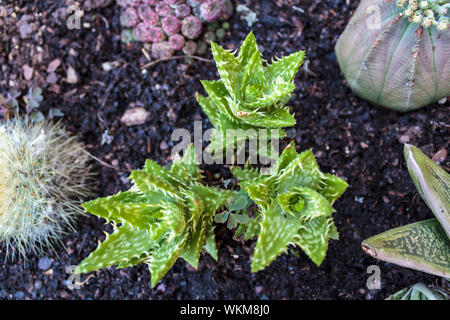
164,256
295,207
136,209
167,214
123,245
210,245
250,94
432,182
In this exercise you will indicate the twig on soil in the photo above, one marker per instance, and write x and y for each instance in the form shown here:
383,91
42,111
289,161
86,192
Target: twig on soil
99,160
150,64
82,283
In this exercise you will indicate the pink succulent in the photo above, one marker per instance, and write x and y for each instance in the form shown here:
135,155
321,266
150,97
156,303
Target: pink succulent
176,41
122,3
128,3
194,3
190,48
146,33
191,27
172,2
171,25
130,17
147,15
162,9
182,10
211,10
149,2
162,50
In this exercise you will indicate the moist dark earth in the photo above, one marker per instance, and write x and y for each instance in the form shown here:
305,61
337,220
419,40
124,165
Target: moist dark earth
352,138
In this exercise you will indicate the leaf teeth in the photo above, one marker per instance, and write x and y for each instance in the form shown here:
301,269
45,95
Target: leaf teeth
165,216
251,96
293,209
286,68
123,244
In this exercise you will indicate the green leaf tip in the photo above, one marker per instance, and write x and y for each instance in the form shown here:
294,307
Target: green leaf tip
166,215
432,182
251,94
294,207
423,245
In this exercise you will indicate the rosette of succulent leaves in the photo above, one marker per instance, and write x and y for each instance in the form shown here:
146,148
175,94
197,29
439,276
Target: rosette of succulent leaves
167,214
295,207
251,95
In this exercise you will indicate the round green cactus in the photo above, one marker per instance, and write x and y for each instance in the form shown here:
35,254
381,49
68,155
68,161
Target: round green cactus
395,53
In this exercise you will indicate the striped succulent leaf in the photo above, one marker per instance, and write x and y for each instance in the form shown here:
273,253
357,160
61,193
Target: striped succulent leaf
295,207
251,94
167,214
432,182
424,245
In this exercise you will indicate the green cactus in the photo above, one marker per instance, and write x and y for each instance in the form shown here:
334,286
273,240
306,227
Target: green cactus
295,207
395,53
167,214
43,178
424,245
251,95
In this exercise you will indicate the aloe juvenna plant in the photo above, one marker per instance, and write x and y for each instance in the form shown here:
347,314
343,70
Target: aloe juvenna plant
295,207
250,94
167,214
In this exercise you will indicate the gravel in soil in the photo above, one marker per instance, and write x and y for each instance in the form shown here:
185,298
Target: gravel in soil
93,79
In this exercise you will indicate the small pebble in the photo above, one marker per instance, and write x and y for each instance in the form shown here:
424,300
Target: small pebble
44,263
19,295
135,116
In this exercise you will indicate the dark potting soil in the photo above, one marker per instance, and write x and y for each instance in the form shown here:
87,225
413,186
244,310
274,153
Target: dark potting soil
359,142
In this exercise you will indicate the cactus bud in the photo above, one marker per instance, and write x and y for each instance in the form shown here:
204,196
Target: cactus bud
220,33
191,27
182,10
162,50
147,15
423,4
190,48
427,22
145,33
176,41
417,18
442,25
162,9
130,17
209,36
211,10
171,25
126,36
202,48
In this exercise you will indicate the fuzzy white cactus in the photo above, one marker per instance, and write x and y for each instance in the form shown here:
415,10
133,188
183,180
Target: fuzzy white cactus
43,177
